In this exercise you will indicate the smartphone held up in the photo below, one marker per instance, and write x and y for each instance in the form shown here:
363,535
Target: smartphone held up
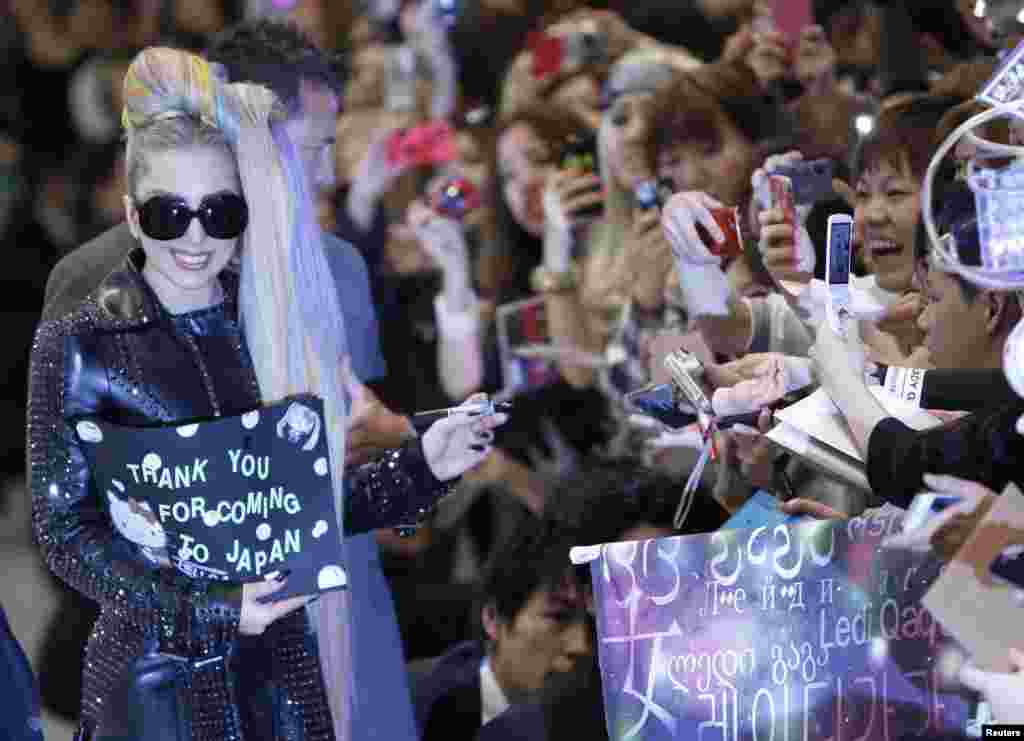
838,263
728,221
579,154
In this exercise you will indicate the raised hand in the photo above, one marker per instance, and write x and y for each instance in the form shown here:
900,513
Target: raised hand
785,245
374,175
456,444
650,257
442,238
679,220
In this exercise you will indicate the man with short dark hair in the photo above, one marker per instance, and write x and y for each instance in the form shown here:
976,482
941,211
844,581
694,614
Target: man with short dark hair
534,617
277,55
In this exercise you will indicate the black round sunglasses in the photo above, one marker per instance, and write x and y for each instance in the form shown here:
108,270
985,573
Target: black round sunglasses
166,217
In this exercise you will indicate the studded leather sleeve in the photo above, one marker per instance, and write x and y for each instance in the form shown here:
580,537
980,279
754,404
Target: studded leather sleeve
397,490
71,521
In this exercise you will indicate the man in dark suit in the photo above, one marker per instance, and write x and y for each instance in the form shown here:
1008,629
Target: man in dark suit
280,57
536,625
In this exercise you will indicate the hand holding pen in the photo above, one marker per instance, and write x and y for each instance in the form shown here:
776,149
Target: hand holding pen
460,438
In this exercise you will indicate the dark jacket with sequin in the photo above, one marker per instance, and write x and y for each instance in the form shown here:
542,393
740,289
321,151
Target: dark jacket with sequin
122,357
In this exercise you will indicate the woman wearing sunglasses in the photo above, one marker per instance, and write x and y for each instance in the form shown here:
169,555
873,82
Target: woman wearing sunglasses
179,333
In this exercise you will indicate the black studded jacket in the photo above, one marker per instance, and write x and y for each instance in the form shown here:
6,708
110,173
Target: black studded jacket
122,357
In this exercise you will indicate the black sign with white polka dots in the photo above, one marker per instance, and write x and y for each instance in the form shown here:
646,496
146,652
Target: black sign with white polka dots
233,499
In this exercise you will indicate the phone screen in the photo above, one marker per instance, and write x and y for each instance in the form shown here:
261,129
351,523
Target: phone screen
839,246
580,153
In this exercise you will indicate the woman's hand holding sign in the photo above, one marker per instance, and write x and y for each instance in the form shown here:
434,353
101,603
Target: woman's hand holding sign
258,611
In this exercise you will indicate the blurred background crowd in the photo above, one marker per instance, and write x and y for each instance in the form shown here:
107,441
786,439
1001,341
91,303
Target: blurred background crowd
692,96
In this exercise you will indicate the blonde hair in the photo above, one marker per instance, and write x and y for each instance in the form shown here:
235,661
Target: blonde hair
641,70
288,303
163,135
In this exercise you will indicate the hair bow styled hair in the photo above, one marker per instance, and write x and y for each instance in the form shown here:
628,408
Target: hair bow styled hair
166,83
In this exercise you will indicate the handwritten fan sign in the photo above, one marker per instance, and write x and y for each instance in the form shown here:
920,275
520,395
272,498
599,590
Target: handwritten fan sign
797,632
233,499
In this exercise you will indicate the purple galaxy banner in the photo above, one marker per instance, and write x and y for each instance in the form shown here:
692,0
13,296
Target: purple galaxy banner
798,632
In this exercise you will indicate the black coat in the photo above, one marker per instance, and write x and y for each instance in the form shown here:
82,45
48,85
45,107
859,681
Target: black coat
447,699
119,355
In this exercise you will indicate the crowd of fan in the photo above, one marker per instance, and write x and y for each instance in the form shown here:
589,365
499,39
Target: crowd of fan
700,96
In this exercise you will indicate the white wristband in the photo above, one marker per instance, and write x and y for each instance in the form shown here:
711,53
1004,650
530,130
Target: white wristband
905,383
557,249
558,237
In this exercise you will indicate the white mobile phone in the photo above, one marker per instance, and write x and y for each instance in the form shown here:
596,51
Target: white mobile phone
838,259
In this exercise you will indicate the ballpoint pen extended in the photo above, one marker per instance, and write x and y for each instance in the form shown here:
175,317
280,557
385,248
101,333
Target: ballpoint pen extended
428,417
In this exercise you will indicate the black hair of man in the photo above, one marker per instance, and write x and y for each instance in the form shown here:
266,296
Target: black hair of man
957,214
276,54
532,557
528,560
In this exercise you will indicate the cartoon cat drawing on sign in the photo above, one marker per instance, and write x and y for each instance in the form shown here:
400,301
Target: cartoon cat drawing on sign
137,522
300,423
